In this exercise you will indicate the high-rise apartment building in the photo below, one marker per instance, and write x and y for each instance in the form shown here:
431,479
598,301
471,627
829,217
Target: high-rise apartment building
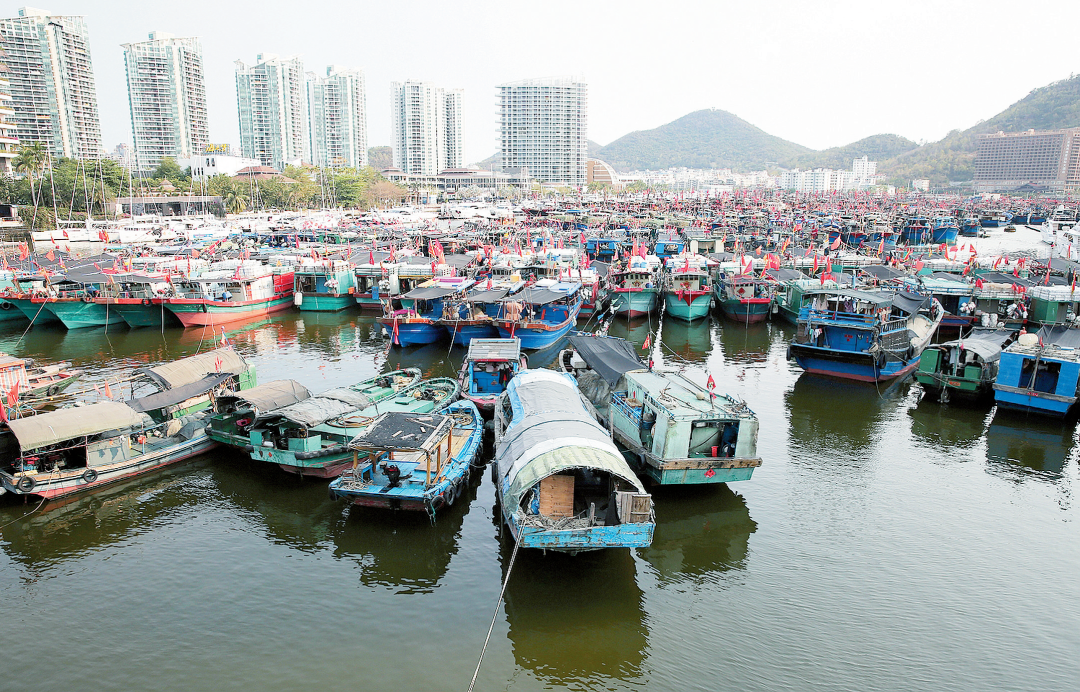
8,141
543,128
337,115
428,130
1008,160
167,98
52,82
270,99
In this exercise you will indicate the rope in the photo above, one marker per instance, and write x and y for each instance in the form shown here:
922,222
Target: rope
495,615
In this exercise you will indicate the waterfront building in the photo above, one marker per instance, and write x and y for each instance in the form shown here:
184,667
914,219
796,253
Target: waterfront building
428,127
217,159
337,118
123,154
600,172
8,141
455,179
1008,160
167,98
543,127
51,76
270,99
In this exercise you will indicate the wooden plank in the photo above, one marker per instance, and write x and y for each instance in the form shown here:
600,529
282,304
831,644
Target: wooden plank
557,496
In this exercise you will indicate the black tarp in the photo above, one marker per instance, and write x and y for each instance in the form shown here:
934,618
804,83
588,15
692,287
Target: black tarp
910,303
946,276
607,355
171,397
487,295
882,273
1060,336
535,296
785,274
1002,278
429,293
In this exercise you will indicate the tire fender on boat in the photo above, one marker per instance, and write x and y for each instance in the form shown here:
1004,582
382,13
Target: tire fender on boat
53,390
26,484
203,306
90,475
146,301
448,496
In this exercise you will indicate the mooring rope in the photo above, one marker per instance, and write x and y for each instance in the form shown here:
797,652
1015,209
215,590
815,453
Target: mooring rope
495,615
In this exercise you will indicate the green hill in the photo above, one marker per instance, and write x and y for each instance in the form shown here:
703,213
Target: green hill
703,139
1054,106
876,148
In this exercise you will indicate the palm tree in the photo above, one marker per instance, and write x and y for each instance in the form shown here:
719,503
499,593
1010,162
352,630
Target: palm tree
234,197
31,159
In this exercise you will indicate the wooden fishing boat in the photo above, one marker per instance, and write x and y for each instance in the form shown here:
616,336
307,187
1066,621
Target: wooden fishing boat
416,318
413,461
236,411
561,483
745,298
688,292
633,291
487,369
1040,373
223,296
965,367
73,301
28,383
324,286
859,335
542,314
310,437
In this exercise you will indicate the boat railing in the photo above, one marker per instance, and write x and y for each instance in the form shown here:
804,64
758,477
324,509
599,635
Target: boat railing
836,316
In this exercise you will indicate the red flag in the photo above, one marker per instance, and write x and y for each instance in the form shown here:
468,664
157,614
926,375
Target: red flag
217,364
711,384
815,264
394,338
648,342
108,391
835,244
3,412
51,256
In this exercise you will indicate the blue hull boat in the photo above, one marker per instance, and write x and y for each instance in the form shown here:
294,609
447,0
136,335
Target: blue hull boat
1040,373
541,315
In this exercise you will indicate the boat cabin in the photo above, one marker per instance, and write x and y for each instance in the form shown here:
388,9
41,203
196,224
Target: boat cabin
1040,373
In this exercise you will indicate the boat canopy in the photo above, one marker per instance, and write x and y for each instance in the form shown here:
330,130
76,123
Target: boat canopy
882,273
402,430
535,296
487,295
986,346
609,356
44,429
1061,336
194,368
494,349
866,296
319,409
175,395
269,396
551,432
784,274
910,303
948,276
1002,278
429,293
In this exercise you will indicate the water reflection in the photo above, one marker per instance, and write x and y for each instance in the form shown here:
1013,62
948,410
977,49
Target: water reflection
832,414
634,329
742,343
69,528
936,424
1019,446
403,551
701,532
691,342
576,621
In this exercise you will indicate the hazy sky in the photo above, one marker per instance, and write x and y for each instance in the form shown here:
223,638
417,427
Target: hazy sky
820,74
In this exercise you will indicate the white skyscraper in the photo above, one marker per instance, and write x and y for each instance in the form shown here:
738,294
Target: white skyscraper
52,82
428,128
337,115
167,98
543,127
271,101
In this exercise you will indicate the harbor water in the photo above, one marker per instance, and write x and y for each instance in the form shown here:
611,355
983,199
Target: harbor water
886,543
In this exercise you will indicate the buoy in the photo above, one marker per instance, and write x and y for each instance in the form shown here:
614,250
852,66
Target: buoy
298,299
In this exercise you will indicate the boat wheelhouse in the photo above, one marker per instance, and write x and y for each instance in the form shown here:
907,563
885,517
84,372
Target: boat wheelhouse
561,483
324,286
236,411
966,367
487,369
417,317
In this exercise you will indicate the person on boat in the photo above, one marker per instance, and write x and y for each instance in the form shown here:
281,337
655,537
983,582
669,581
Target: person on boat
226,295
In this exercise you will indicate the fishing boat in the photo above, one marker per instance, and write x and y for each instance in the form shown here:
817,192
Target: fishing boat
71,450
236,411
487,369
324,286
473,315
952,291
688,293
865,336
970,227
25,386
416,318
221,296
310,438
413,461
73,301
131,296
745,298
1039,372
1050,305
561,483
668,244
944,229
671,430
541,314
633,290
965,368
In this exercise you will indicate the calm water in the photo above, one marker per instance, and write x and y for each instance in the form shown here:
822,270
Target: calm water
885,544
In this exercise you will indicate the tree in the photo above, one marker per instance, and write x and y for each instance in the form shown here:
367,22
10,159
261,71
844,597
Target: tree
380,158
38,218
386,192
171,170
31,159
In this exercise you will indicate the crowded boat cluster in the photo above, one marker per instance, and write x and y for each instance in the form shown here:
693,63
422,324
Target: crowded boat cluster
878,288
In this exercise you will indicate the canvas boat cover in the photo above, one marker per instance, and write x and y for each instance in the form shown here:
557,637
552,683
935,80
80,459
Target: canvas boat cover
536,296
552,432
429,293
458,261
1003,278
321,408
171,397
610,357
910,303
883,273
35,432
783,274
487,296
195,368
1063,337
985,343
404,430
947,276
269,396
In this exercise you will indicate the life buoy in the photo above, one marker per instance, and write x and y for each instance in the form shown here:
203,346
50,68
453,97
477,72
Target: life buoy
88,299
243,422
26,484
90,475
